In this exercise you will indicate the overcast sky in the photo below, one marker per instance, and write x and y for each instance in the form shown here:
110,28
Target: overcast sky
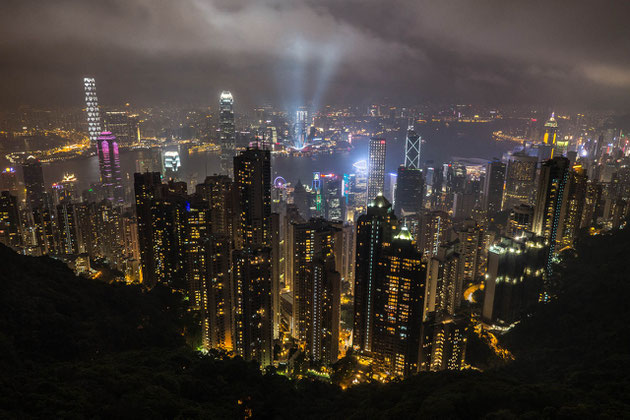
286,52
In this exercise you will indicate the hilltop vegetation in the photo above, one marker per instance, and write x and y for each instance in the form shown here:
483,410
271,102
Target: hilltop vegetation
73,347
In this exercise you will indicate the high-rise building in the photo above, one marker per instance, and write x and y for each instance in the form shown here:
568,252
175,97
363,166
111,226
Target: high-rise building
301,127
252,176
91,109
374,230
68,229
252,274
10,226
252,305
551,131
376,167
435,230
493,187
413,147
398,305
317,288
444,281
8,181
514,278
409,191
109,166
520,220
121,125
559,206
443,345
227,131
33,182
520,180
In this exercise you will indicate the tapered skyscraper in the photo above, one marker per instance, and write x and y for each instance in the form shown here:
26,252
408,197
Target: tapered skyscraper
91,109
413,145
227,139
376,168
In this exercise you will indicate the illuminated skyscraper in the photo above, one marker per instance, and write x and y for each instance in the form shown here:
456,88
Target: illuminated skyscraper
493,187
91,109
33,182
317,288
520,180
413,146
551,131
409,191
551,203
227,131
301,127
398,305
374,230
435,230
109,165
10,227
376,167
514,278
8,181
252,283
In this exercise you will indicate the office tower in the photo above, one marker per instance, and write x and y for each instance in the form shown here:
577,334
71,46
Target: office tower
68,229
221,194
398,305
334,201
91,109
253,310
551,204
520,180
520,220
409,191
464,204
33,182
10,226
471,241
576,197
317,204
493,187
376,167
196,231
121,125
444,281
514,278
227,131
443,345
46,231
252,283
435,230
8,181
374,229
301,198
551,131
172,164
217,298
413,145
147,188
277,261
301,127
109,166
317,288
252,176
592,204
389,187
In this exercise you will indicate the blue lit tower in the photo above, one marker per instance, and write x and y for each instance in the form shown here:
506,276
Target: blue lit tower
227,137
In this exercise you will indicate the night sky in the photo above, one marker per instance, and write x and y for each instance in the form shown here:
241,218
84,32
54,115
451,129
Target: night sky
556,53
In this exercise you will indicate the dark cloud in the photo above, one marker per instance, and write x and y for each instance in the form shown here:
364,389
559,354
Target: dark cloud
292,51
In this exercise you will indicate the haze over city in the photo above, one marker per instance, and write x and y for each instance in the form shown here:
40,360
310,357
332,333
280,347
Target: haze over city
314,209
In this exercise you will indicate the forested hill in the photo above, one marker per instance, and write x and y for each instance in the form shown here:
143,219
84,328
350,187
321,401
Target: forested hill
72,347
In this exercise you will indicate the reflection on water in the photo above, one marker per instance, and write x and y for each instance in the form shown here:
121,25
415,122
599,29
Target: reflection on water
441,143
